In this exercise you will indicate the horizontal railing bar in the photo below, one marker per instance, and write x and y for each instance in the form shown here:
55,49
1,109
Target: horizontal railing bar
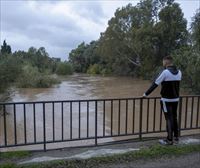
190,128
89,100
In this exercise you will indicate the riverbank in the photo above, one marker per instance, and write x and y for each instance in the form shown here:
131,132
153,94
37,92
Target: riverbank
129,154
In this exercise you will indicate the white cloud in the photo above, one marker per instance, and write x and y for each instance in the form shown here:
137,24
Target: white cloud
60,26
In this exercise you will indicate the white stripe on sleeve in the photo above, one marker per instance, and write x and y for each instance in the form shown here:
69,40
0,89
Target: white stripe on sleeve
160,78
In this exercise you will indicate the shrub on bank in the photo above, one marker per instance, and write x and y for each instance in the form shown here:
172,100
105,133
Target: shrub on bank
32,78
64,68
94,69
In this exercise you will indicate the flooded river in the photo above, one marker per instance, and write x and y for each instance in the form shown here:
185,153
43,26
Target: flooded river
86,87
61,124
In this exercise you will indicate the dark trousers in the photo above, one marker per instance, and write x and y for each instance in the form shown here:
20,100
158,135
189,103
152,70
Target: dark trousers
170,112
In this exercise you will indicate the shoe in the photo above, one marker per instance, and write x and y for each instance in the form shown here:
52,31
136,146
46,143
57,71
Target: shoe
165,142
176,140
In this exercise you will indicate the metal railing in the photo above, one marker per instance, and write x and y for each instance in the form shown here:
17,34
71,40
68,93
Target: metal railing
53,122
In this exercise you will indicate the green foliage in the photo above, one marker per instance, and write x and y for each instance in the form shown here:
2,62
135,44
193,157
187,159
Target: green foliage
14,155
195,27
84,56
188,60
8,165
106,71
171,29
136,39
37,58
94,69
10,69
29,69
31,77
77,59
64,68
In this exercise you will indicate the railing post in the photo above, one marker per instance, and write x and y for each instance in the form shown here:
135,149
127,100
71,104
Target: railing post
96,143
5,125
179,117
140,119
44,127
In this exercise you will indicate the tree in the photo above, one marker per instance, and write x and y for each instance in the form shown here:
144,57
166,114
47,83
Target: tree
116,44
136,39
195,28
77,59
171,29
188,58
64,68
5,48
10,69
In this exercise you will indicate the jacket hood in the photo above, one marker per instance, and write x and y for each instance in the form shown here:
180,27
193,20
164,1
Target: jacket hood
173,70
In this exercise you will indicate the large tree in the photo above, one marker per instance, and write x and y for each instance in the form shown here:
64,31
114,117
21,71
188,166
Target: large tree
195,28
171,29
136,39
77,59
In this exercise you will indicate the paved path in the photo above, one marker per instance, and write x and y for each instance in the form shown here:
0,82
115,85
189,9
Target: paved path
183,161
88,152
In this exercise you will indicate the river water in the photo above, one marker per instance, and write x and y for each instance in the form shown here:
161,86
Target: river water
77,87
86,87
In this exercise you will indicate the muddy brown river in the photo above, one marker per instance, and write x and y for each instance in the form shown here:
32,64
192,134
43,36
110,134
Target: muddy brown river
81,87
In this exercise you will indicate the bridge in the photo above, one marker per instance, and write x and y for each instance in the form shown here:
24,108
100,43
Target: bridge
45,125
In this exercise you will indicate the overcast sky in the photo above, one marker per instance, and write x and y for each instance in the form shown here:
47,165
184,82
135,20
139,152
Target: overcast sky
60,26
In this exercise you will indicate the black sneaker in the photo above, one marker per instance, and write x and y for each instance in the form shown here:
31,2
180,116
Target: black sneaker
176,140
165,142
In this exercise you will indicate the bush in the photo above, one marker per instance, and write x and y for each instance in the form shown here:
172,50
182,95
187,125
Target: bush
64,68
94,69
106,71
188,60
32,78
10,69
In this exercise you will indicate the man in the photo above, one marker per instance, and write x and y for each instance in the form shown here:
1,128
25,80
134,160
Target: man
169,79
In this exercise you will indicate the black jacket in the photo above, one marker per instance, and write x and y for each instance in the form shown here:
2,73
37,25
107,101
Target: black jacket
170,81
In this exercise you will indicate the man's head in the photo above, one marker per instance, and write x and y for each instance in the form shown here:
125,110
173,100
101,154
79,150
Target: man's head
167,61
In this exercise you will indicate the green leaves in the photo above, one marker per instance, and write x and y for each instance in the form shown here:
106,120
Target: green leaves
64,68
195,27
136,35
10,69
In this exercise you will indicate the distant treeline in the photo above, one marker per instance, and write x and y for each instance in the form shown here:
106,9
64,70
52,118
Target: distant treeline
29,69
136,40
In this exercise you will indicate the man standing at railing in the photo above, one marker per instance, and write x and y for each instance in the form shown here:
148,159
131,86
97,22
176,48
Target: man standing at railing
169,79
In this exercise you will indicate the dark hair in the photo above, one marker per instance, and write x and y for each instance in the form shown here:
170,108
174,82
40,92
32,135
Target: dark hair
169,58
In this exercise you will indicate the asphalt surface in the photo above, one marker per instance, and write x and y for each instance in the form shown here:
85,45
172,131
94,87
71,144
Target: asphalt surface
183,161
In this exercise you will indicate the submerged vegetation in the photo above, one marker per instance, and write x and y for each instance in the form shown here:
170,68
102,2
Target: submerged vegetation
31,69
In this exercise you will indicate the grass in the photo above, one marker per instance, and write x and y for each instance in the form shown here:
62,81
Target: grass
8,156
145,153
14,155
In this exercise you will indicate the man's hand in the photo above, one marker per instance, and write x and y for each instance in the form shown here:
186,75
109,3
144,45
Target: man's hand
144,95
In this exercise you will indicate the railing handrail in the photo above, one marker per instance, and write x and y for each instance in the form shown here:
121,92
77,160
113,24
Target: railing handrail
90,100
